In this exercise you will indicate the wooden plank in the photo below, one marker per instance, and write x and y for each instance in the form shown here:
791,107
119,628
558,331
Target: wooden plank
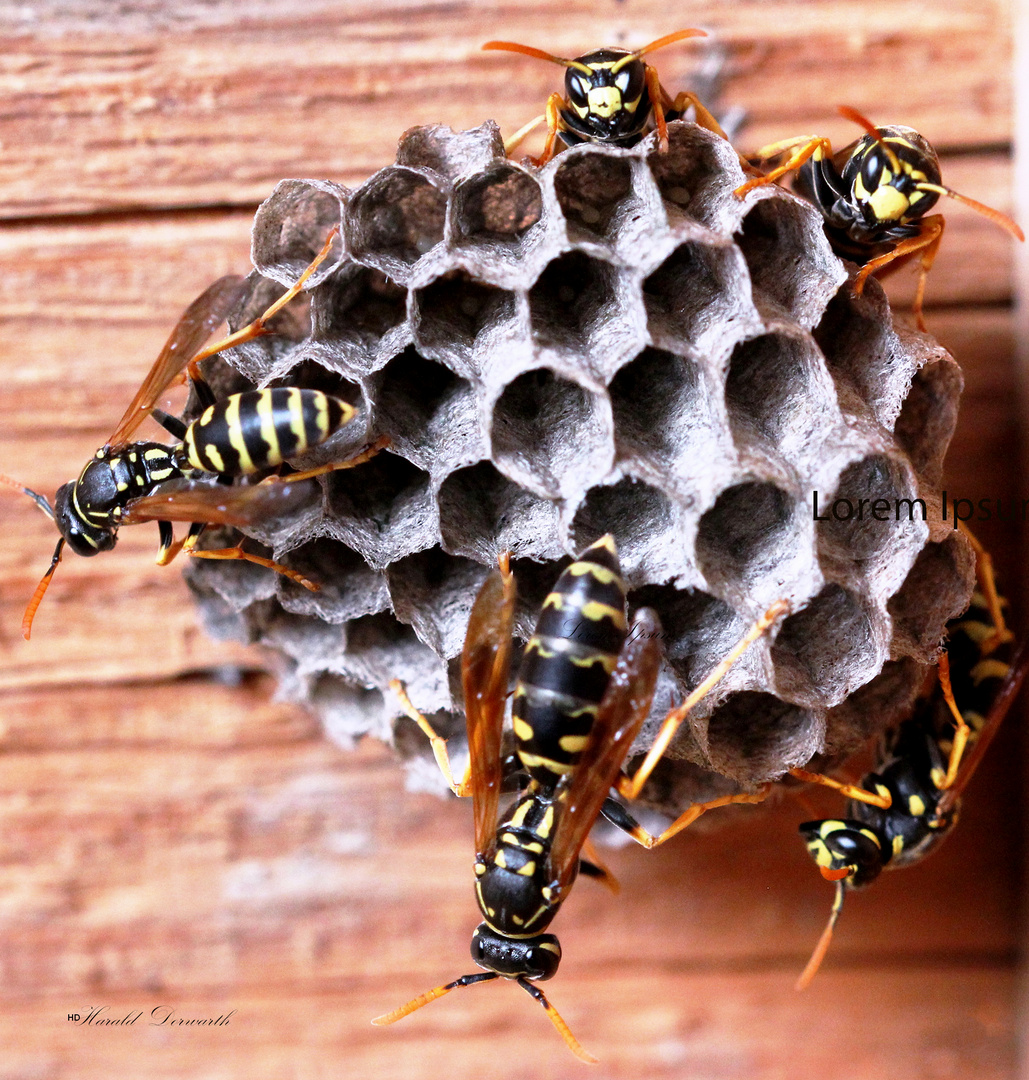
665,1024
213,854
189,107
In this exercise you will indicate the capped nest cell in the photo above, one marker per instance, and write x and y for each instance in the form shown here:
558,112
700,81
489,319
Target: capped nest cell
613,343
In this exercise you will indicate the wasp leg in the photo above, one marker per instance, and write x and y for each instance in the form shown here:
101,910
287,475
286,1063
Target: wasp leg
333,466
622,819
961,729
631,787
439,744
927,242
169,547
237,552
256,328
852,791
554,126
516,140
591,865
987,582
815,146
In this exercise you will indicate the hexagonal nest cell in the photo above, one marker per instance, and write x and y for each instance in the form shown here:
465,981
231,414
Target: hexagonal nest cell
612,343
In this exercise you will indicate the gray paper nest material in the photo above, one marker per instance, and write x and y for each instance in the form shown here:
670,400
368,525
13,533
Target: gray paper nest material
612,343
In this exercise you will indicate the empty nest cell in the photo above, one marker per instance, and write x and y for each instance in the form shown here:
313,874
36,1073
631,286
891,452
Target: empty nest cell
697,176
928,417
498,207
779,390
453,311
872,526
348,586
810,642
645,526
746,541
482,513
551,435
670,422
595,192
424,408
394,219
780,240
690,301
350,317
382,509
752,734
571,300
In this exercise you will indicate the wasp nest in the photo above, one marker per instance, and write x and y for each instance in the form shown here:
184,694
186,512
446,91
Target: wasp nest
614,343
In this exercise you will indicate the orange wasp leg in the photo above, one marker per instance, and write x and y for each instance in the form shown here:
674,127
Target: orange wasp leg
852,791
647,839
631,788
462,788
257,327
809,146
928,243
988,583
333,466
237,553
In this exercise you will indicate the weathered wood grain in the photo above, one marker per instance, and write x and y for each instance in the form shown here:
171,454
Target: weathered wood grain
168,839
665,1024
180,105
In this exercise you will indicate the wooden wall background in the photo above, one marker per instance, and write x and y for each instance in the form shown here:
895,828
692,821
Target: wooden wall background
170,838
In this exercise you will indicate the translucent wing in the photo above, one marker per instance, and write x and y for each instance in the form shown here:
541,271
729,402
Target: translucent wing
218,504
624,708
485,666
192,330
998,710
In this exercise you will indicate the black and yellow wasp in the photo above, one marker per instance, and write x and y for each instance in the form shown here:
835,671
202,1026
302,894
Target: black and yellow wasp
923,767
610,96
874,195
583,691
124,483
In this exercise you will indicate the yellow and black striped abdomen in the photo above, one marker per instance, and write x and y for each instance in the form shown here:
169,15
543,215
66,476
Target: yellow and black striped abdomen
978,665
260,429
568,662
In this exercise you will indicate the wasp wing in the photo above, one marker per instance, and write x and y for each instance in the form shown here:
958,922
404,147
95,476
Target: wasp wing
624,708
218,504
485,668
998,710
196,325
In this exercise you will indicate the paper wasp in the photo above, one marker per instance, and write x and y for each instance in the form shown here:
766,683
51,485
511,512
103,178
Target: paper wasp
610,95
874,195
124,483
583,691
923,766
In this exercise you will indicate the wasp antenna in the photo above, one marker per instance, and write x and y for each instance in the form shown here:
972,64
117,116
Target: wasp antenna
431,995
40,500
528,50
41,588
824,941
852,114
668,39
557,1020
987,211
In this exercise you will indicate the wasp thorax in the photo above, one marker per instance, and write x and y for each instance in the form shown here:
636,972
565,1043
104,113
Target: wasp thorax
531,958
509,893
84,537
